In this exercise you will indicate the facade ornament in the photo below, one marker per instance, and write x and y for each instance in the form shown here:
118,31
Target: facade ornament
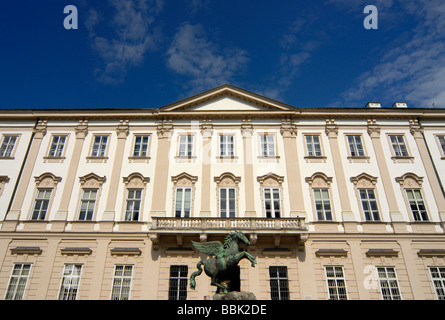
288,128
164,129
122,129
40,129
415,128
373,128
81,129
206,128
247,128
331,128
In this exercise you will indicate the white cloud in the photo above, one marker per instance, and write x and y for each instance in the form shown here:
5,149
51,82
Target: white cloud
193,55
133,37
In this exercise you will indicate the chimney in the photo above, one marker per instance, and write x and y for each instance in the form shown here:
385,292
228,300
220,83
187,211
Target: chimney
373,105
399,105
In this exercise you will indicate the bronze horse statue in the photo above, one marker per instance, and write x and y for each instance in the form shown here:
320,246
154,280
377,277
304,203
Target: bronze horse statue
224,258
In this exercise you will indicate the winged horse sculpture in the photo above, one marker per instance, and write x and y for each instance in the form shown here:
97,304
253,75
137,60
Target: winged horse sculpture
224,257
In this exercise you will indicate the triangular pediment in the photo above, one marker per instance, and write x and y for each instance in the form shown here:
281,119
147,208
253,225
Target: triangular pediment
227,98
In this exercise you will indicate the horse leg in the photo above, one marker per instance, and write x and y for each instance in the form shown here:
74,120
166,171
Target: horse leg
245,254
218,285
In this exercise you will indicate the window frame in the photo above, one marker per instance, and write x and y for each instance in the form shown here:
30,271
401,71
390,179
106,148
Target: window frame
229,145
228,213
423,216
440,279
337,295
133,200
65,296
282,287
324,218
189,145
272,200
41,201
17,282
12,150
176,288
120,287
182,211
142,143
59,152
104,155
88,200
271,150
369,214
309,152
382,279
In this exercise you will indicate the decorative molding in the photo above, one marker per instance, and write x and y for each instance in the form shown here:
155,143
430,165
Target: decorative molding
122,129
76,251
135,180
81,129
410,180
331,252
364,180
373,129
164,129
331,128
40,129
288,129
382,252
128,251
227,179
26,250
47,179
270,179
92,180
184,180
319,179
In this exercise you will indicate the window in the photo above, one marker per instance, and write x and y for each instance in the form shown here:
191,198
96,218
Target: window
227,202
313,146
121,282
279,285
398,145
272,202
7,146
183,202
438,278
416,204
267,145
389,285
133,209
442,143
186,145
57,145
41,204
369,204
87,204
18,281
99,146
336,283
140,146
322,204
178,283
226,145
70,282
355,146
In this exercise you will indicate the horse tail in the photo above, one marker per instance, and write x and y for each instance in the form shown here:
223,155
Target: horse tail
195,274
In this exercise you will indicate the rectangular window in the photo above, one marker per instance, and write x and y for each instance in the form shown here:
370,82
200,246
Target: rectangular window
121,282
369,204
41,204
70,282
186,145
227,202
87,204
267,145
442,143
416,204
7,146
322,204
178,283
438,278
57,145
389,285
99,146
226,145
272,202
140,146
399,147
313,146
18,281
279,283
355,146
336,283
133,209
183,202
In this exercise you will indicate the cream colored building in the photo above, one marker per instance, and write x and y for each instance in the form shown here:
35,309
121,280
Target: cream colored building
343,203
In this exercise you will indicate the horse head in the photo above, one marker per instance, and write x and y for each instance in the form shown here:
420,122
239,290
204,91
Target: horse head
241,236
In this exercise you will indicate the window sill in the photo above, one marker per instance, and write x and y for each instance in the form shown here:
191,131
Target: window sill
138,159
269,158
402,159
7,158
358,159
185,159
315,159
227,159
50,159
97,159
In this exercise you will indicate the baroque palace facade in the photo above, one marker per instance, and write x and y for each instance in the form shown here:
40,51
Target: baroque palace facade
338,203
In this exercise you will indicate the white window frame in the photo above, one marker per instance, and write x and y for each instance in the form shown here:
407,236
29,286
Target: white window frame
312,141
336,283
227,212
267,145
186,145
70,284
399,146
226,145
176,288
18,281
132,214
140,149
441,140
281,282
7,146
356,148
122,281
438,281
40,202
181,202
322,215
419,214
89,201
369,213
58,143
269,194
99,148
389,284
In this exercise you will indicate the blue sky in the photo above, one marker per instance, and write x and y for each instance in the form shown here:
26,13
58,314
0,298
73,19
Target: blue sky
149,53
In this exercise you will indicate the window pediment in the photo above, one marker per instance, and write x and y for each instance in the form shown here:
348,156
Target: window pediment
319,179
410,180
270,179
184,180
92,180
47,179
364,180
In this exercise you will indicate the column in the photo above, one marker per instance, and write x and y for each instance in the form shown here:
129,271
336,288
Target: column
207,133
25,178
332,133
374,133
160,181
81,132
249,181
417,132
110,207
289,132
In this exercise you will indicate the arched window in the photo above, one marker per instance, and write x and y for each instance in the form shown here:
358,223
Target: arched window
320,185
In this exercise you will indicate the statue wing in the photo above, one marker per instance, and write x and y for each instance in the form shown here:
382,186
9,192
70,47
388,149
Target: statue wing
210,248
